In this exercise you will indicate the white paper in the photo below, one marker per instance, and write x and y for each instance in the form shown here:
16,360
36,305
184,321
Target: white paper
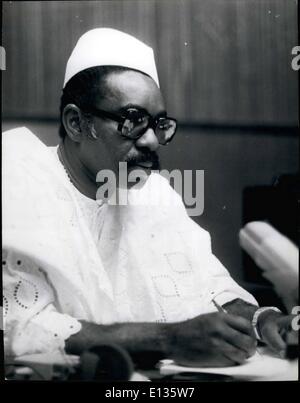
261,366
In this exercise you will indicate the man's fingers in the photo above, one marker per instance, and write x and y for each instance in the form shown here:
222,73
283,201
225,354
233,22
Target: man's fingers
241,341
233,354
273,338
241,324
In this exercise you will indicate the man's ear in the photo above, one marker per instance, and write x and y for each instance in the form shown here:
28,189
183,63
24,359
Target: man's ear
72,121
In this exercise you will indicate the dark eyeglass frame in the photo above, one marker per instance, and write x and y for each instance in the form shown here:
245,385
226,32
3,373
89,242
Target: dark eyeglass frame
152,122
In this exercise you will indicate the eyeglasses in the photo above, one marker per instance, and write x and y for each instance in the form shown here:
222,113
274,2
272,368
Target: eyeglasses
133,123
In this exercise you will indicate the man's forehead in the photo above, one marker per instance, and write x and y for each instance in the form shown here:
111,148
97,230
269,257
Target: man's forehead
130,80
131,89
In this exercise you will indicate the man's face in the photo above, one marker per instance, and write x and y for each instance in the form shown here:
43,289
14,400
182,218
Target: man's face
125,90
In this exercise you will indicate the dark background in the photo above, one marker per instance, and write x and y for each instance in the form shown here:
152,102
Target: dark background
225,72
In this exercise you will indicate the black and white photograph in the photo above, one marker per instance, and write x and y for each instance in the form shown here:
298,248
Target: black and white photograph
150,193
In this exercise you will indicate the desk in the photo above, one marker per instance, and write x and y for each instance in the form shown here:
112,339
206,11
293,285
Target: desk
264,367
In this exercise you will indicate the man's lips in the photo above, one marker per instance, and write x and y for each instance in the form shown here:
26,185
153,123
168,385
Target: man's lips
145,164
147,161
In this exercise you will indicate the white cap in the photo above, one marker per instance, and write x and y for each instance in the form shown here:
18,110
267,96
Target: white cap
109,47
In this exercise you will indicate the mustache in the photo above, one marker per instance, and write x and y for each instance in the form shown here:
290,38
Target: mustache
147,156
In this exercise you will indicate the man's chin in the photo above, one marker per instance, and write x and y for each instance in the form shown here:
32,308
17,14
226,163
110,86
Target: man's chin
136,177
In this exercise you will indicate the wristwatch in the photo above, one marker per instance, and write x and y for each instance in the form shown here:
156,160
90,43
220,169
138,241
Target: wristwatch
256,316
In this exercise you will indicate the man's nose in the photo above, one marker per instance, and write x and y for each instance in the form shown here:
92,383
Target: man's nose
148,140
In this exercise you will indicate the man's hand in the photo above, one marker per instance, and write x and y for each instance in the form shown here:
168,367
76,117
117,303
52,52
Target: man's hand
210,340
273,327
215,339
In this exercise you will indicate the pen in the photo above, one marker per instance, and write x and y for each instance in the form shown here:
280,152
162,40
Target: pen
219,307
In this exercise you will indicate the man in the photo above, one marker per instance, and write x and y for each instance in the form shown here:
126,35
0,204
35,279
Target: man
79,271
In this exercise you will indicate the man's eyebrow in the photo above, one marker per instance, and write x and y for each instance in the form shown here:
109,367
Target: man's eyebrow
141,109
